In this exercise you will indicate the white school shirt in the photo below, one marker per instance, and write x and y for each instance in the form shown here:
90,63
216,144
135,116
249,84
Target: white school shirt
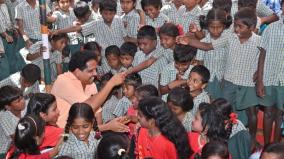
185,18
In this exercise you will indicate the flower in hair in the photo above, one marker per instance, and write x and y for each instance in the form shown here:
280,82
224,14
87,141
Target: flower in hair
120,151
233,118
180,29
21,127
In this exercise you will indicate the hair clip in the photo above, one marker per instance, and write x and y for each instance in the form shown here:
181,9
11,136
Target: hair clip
120,151
21,127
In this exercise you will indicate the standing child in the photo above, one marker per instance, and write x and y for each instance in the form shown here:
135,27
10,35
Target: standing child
12,105
215,22
112,54
176,73
181,103
127,54
81,142
95,9
162,134
171,10
154,17
197,82
131,82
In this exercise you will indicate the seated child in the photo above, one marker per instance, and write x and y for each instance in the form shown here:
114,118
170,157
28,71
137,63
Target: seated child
197,81
180,102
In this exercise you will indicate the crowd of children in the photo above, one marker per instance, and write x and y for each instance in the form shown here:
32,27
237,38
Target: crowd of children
141,79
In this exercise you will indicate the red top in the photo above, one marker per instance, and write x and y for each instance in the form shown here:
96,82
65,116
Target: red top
132,126
195,143
158,147
27,156
51,136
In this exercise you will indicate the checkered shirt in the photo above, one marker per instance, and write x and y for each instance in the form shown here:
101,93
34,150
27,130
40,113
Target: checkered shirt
8,124
170,11
108,109
261,9
206,8
11,7
214,60
2,50
157,22
31,19
106,35
5,21
203,97
151,74
131,22
186,17
273,42
79,149
187,121
237,128
64,19
242,59
122,106
169,74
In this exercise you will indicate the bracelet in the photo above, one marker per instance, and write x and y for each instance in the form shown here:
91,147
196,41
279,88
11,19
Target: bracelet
26,38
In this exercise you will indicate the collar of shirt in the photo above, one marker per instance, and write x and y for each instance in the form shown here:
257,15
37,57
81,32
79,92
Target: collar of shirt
26,4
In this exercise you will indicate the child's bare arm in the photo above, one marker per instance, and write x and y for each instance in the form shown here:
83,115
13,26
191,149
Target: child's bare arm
28,42
269,19
130,39
59,69
199,34
142,21
31,57
143,65
186,40
76,28
176,83
260,68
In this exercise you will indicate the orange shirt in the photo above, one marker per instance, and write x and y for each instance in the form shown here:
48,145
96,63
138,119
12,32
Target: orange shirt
68,90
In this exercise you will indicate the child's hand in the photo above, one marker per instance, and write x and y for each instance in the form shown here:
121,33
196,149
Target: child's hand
116,125
28,44
193,28
118,79
176,83
183,40
9,38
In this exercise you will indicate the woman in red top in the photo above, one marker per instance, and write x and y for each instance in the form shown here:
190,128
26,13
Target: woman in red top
162,135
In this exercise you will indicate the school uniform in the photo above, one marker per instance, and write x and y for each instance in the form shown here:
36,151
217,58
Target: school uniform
203,97
169,74
122,106
261,9
214,60
186,17
187,121
131,22
157,22
108,108
206,8
273,78
4,64
170,11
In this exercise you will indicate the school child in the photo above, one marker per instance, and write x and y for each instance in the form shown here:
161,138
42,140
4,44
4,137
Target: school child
127,54
57,44
29,135
176,73
147,42
171,10
44,106
275,151
214,149
205,6
11,4
95,5
197,82
12,105
154,17
270,82
4,64
132,81
112,54
207,126
162,134
113,145
180,102
27,80
188,14
215,22
81,126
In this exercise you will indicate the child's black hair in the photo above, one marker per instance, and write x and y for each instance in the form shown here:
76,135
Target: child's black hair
58,37
247,16
202,71
215,15
40,102
247,3
275,148
80,110
147,32
96,2
92,46
168,124
8,94
103,80
212,122
28,128
80,59
66,51
155,3
181,97
111,144
215,148
147,91
108,5
225,5
133,79
112,50
169,29
31,73
128,48
184,53
81,9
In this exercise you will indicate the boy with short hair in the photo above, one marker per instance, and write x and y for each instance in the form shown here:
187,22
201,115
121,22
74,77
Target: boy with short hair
153,15
176,73
132,81
12,105
147,42
112,54
197,82
127,54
